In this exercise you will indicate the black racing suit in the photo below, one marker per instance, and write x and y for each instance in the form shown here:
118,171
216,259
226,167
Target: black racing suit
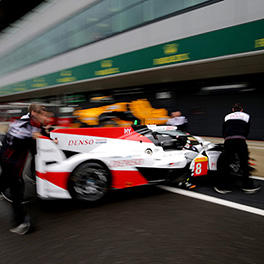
235,131
13,154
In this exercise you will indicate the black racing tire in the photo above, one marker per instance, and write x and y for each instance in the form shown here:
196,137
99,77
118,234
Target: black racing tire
234,167
89,182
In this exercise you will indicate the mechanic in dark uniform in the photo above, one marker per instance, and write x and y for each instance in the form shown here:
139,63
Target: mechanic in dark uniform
16,145
45,129
235,131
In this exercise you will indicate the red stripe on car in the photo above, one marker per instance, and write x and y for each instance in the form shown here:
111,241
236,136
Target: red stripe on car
125,179
126,133
59,179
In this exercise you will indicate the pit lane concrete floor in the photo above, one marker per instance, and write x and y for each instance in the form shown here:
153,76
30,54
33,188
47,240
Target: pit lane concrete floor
140,225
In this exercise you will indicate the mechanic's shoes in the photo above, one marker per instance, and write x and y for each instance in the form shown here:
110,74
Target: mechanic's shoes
251,189
186,185
21,229
222,190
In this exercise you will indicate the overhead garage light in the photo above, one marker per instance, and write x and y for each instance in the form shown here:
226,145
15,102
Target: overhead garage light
248,90
224,87
163,95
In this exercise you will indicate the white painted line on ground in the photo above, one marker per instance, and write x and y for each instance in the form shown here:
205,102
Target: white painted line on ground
215,200
257,178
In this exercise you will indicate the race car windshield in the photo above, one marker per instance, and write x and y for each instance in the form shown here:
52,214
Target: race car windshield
173,133
181,137
167,142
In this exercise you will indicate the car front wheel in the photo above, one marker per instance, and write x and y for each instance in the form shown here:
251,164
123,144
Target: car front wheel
89,182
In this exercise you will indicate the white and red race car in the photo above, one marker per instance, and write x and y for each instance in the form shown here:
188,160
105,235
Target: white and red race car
85,163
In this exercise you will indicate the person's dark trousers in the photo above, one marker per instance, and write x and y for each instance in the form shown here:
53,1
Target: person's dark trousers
234,147
13,162
33,152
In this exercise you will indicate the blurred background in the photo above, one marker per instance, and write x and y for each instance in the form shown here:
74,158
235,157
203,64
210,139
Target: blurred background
111,62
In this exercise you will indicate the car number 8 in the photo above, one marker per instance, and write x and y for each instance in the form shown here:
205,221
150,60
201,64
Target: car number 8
198,168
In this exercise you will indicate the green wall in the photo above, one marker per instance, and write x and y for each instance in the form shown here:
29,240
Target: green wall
247,37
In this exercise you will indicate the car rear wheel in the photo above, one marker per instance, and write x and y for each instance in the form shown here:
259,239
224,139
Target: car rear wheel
89,182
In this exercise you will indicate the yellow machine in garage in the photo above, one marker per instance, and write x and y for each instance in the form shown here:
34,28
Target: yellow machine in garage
138,112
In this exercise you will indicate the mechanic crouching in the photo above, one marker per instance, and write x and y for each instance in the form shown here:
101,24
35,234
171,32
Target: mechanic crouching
17,143
235,131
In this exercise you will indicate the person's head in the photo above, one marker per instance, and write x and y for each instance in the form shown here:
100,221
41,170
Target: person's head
237,107
176,114
49,118
37,112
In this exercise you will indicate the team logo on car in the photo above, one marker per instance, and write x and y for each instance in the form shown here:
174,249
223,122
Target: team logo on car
79,142
127,131
124,163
